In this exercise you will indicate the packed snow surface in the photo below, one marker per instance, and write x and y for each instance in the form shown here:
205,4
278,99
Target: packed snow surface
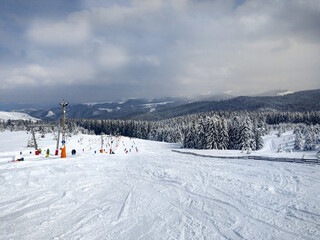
151,194
16,116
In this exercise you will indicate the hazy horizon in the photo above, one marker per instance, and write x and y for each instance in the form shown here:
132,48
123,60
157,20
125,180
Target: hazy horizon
12,106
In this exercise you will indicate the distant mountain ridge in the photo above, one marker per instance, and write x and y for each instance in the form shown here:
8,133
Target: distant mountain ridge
299,102
121,110
164,108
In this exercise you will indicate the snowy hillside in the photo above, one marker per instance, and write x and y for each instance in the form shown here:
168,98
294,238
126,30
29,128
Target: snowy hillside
16,116
153,193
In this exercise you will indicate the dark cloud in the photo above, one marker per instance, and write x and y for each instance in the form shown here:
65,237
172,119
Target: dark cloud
107,50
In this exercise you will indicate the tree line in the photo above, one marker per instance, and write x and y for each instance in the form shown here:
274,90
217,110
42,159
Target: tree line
211,130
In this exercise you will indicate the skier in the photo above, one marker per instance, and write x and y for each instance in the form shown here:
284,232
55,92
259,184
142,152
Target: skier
40,150
48,152
16,159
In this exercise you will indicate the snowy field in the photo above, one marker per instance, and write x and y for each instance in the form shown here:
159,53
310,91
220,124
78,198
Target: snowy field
152,194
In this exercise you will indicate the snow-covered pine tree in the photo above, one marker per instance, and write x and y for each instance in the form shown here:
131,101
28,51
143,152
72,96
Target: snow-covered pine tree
144,130
176,135
201,143
247,138
159,134
152,132
190,138
211,134
298,144
222,134
314,136
225,134
258,139
208,136
262,126
309,144
234,133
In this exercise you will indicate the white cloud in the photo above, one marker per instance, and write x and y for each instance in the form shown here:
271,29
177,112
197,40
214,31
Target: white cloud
69,33
112,57
67,72
18,80
149,60
154,48
35,70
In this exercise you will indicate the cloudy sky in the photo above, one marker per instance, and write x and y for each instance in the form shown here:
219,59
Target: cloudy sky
100,50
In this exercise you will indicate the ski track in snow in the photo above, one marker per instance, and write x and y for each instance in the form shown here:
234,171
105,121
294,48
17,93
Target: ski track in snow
155,194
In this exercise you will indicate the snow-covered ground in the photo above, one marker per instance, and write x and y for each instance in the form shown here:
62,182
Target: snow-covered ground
16,116
151,194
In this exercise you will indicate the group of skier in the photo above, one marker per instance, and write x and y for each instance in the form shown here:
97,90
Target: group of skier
109,145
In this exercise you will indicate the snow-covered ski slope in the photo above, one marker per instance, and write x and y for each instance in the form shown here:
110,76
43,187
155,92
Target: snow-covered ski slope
151,194
16,116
